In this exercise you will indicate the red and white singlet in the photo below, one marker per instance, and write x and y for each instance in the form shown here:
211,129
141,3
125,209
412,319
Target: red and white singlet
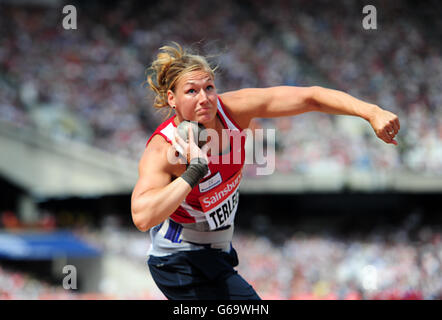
207,214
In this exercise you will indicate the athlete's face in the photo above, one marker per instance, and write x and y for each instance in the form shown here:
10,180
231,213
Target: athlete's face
195,97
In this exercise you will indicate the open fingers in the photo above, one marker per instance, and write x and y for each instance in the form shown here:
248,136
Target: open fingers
180,145
190,135
205,149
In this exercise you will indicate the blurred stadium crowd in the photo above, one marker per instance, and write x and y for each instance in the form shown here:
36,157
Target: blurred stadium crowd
87,84
380,264
377,266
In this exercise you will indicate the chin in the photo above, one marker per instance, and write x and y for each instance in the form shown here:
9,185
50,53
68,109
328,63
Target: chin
205,118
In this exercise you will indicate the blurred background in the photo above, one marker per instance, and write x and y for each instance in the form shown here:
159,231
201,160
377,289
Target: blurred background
344,216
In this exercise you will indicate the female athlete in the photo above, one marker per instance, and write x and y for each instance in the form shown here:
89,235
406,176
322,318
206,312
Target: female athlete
190,208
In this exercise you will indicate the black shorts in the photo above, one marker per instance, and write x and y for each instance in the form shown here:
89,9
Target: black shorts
205,274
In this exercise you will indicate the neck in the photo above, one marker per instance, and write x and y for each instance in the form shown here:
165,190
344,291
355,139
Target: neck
212,124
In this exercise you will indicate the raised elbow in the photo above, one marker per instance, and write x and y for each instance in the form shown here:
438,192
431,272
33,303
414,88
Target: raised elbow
141,225
141,216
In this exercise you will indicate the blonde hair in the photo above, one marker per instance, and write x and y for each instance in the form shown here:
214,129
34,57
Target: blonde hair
171,64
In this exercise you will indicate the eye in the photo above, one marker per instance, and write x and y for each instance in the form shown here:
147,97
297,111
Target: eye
210,87
191,91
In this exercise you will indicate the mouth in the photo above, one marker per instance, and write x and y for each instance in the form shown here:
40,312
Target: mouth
203,110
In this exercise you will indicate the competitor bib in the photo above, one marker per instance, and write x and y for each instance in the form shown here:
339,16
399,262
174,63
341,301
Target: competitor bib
221,203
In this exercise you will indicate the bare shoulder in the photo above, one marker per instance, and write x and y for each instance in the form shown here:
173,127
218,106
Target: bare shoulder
154,168
155,153
242,104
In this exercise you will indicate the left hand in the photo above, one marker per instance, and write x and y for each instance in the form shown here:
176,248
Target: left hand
190,148
386,125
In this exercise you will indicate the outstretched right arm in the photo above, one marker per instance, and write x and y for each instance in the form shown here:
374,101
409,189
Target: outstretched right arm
155,196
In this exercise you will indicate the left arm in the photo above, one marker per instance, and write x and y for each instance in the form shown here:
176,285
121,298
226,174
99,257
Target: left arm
246,104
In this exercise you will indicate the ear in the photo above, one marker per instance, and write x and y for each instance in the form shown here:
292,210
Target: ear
171,98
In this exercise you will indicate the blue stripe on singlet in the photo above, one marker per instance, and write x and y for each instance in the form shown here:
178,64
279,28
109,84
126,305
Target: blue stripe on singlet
173,232
158,227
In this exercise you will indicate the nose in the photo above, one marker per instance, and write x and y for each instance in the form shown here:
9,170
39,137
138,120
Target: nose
203,97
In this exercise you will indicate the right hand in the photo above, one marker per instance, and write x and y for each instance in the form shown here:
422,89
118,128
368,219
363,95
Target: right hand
191,149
